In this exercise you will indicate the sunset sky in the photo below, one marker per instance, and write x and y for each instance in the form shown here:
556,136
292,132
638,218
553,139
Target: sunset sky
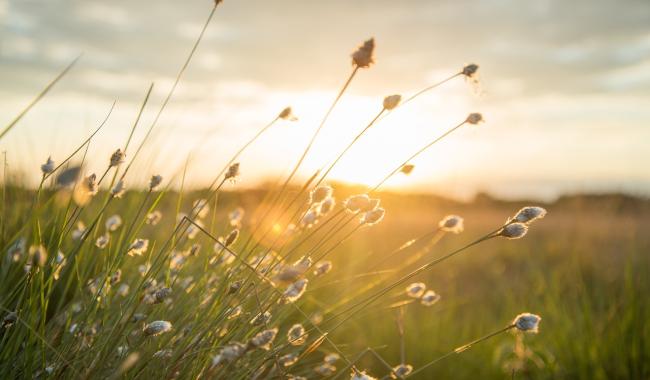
564,88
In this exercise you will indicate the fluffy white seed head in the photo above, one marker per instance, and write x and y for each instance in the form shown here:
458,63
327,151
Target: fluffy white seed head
514,231
451,223
474,118
361,375
156,328
401,371
407,169
102,241
155,181
233,172
295,290
392,101
527,322
325,369
117,158
363,56
355,203
138,247
264,339
118,190
153,217
322,267
37,255
113,223
373,217
470,70
416,289
320,193
326,206
287,114
529,214
296,336
235,217
429,298
331,358
48,166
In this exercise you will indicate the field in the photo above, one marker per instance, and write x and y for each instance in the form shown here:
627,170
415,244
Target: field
582,268
113,270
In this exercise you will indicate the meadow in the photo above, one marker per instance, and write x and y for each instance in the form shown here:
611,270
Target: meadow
308,278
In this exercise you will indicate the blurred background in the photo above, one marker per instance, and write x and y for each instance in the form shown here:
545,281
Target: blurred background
563,87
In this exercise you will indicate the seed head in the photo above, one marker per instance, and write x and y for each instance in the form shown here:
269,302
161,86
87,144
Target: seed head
320,193
48,166
310,218
325,369
527,322
407,169
451,223
113,223
287,114
156,328
356,202
117,158
296,335
401,371
261,318
361,375
391,102
118,190
9,319
289,360
79,231
233,172
326,206
229,353
38,255
322,268
514,231
470,70
161,295
530,214
429,298
102,241
116,277
264,339
474,118
331,358
235,217
123,290
153,217
231,238
138,247
416,289
155,181
373,217
295,290
17,250
363,56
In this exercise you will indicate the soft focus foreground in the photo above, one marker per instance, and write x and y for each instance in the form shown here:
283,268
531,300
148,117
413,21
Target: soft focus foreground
307,280
583,270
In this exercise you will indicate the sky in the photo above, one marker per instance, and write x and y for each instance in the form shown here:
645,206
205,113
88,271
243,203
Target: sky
564,89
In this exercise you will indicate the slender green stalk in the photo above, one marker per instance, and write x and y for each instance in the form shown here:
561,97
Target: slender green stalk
38,97
461,349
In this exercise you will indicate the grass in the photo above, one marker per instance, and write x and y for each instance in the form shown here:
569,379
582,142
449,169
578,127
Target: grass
205,295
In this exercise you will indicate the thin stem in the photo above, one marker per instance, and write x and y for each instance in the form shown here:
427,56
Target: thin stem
461,349
427,146
38,97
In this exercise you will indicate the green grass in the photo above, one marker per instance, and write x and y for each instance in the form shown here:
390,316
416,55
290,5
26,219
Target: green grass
583,269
